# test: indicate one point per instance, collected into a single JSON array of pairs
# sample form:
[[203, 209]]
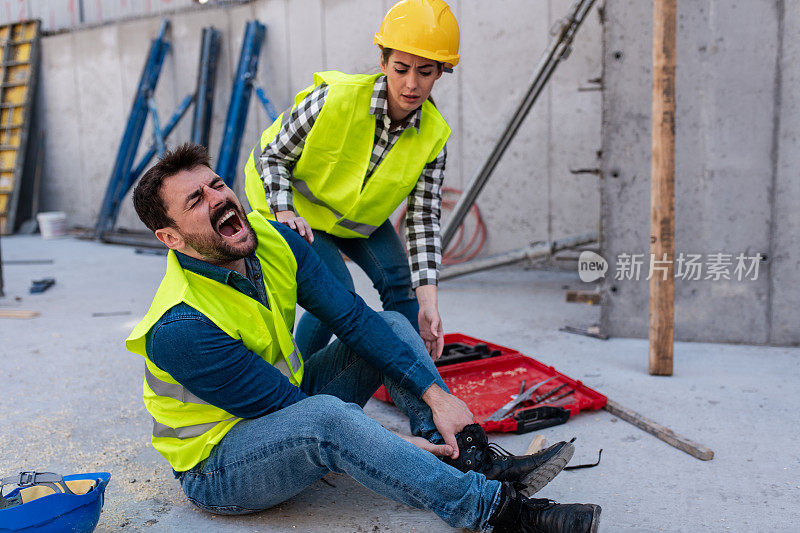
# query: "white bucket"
[[53, 224]]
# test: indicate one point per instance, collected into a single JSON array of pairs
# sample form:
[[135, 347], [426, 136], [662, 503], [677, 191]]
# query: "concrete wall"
[[57, 15], [88, 78], [737, 154]]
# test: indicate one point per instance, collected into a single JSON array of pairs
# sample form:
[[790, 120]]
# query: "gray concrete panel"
[[349, 30], [102, 109], [514, 202], [306, 33], [625, 189], [725, 153], [59, 98], [785, 260], [574, 124]]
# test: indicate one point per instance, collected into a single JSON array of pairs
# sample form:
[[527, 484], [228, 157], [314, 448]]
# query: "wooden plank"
[[667, 435], [662, 190], [18, 313], [536, 445], [583, 297]]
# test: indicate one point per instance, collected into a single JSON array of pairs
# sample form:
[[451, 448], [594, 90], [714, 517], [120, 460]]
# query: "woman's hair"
[[386, 53]]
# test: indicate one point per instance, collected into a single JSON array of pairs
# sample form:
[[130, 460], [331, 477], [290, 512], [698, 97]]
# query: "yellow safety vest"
[[328, 180], [185, 428]]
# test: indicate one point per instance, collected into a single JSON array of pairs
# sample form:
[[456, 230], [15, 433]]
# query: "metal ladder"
[[18, 73]]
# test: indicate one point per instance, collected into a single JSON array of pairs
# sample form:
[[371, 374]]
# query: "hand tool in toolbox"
[[516, 401]]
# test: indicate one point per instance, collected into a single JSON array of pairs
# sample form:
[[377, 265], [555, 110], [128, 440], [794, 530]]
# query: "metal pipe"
[[206, 80], [133, 130], [151, 152], [533, 251], [558, 50], [240, 99]]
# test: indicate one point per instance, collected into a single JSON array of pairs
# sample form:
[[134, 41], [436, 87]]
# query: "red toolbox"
[[487, 384]]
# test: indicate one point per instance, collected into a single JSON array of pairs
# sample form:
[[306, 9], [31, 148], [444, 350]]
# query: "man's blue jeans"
[[382, 257], [264, 461]]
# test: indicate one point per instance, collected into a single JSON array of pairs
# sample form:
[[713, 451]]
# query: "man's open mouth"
[[229, 224]]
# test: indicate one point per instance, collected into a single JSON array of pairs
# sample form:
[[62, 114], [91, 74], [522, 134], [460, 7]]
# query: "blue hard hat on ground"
[[44, 502]]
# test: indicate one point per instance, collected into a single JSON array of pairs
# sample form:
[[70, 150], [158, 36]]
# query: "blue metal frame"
[[133, 132], [206, 79], [240, 101]]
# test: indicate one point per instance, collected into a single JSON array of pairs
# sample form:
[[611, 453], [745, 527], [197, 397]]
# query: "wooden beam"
[[18, 313], [662, 190], [667, 435], [583, 297]]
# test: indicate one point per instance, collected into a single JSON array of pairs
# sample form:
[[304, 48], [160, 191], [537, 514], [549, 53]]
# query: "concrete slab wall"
[[88, 79], [736, 161], [59, 15]]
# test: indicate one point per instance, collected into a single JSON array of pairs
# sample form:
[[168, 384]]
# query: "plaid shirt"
[[424, 203]]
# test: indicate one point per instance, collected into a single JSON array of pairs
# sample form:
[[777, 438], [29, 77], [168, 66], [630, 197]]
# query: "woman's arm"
[[279, 157], [423, 237]]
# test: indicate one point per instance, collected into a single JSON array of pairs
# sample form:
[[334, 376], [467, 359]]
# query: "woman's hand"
[[297, 223], [439, 450], [430, 323]]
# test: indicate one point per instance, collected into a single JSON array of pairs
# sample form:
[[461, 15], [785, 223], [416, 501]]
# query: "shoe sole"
[[537, 479], [595, 518]]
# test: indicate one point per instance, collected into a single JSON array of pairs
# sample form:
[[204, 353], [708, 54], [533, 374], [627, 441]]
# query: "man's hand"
[[440, 450], [297, 223], [450, 414], [430, 323]]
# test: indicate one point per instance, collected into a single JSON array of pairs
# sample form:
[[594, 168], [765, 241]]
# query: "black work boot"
[[534, 471], [517, 514]]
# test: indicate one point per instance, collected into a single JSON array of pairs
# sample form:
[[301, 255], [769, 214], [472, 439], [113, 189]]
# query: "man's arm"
[[353, 322], [217, 368]]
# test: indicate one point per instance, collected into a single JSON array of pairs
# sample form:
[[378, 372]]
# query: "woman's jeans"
[[264, 461], [382, 257]]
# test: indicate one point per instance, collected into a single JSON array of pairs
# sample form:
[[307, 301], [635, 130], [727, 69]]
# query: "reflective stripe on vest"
[[363, 229]]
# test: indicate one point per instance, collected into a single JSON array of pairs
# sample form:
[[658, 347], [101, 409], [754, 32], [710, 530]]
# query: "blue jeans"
[[382, 257], [264, 461]]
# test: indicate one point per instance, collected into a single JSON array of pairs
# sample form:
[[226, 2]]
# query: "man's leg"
[[264, 461], [338, 371]]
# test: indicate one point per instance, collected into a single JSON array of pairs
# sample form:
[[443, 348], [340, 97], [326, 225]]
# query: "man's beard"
[[214, 248]]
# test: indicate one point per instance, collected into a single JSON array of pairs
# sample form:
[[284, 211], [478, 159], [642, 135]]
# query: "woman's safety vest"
[[185, 428], [329, 184]]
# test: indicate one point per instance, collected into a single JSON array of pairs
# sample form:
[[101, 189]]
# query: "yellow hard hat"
[[426, 28]]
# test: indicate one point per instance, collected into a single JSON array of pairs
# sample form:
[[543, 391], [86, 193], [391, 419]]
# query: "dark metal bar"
[[534, 251], [158, 135], [558, 50], [240, 100], [206, 80]]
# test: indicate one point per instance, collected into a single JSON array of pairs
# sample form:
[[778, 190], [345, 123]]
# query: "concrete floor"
[[71, 402]]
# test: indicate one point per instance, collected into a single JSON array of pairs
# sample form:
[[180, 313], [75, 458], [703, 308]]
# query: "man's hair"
[[147, 198]]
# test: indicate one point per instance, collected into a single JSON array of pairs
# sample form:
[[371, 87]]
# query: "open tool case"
[[486, 376]]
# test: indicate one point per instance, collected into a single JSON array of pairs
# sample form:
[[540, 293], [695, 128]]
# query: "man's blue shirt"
[[222, 371]]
